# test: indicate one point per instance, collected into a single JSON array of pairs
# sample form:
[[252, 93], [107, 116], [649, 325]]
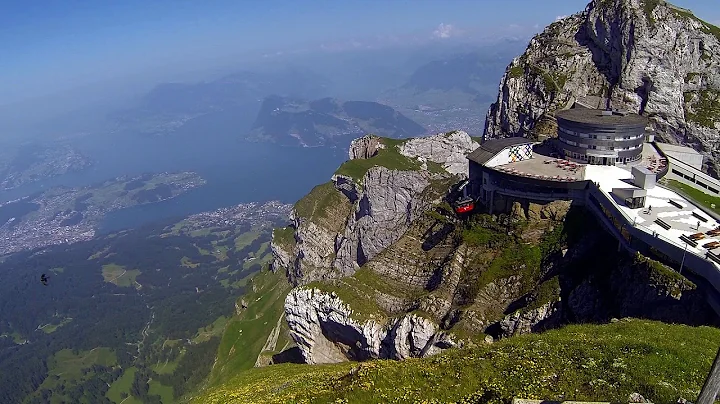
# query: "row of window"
[[599, 137], [693, 179], [595, 147], [594, 159]]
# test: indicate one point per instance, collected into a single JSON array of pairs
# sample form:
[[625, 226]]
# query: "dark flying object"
[[44, 279]]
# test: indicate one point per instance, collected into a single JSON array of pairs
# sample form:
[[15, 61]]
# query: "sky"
[[54, 45]]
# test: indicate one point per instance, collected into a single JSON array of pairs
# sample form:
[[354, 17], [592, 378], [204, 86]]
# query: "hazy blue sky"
[[51, 45]]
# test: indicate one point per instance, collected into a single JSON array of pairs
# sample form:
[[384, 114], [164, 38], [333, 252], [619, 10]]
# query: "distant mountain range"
[[292, 121], [407, 94], [169, 106], [453, 92]]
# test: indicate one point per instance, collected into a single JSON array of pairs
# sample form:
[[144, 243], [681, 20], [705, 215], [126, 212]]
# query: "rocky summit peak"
[[645, 56]]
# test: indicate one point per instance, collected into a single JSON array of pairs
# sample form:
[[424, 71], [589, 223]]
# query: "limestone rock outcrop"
[[282, 256], [326, 331], [448, 149], [383, 268], [644, 56], [525, 322], [359, 219], [390, 201], [365, 147]]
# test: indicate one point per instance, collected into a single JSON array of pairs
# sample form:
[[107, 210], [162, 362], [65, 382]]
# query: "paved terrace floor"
[[680, 219], [651, 160], [537, 167], [545, 168]]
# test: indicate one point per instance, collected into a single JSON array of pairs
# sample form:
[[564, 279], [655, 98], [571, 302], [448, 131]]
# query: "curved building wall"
[[601, 143]]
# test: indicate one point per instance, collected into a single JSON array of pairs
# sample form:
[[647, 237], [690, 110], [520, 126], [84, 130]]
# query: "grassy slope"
[[122, 385], [389, 157], [584, 362], [118, 275], [51, 328], [317, 203], [325, 206], [285, 238], [246, 239], [211, 330], [69, 366], [699, 196], [246, 334], [167, 367], [165, 392]]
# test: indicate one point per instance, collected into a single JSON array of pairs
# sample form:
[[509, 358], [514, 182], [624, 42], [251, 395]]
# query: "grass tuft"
[[580, 362], [706, 110], [516, 72], [284, 237], [388, 157], [648, 8], [324, 205]]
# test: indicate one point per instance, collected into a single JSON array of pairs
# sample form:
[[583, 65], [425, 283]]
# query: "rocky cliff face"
[[390, 201], [384, 269], [343, 224], [370, 204], [519, 323], [646, 56], [449, 149], [365, 147], [326, 331]]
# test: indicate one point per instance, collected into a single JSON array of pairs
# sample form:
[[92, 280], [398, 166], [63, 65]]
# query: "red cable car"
[[465, 208], [464, 203]]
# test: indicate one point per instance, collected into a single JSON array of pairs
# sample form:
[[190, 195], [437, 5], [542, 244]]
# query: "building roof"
[[492, 147], [681, 219], [596, 117], [641, 171], [672, 148], [591, 101]]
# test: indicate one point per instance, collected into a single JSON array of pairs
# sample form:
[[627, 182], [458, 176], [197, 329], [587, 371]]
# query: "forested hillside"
[[133, 317]]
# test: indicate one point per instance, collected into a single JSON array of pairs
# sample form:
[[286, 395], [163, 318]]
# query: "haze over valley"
[[359, 201]]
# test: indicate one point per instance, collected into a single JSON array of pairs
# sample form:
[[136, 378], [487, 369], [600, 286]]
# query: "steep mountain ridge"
[[381, 267], [435, 281], [384, 269], [646, 56], [340, 226], [369, 203], [446, 93], [295, 121]]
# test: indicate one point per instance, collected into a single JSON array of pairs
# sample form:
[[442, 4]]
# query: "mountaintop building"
[[600, 137], [601, 162]]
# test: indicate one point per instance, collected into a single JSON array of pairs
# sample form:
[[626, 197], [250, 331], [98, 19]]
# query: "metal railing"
[[694, 201], [638, 226]]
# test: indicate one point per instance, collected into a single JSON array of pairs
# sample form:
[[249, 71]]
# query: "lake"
[[236, 171]]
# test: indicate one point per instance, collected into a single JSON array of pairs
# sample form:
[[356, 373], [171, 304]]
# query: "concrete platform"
[[679, 213], [544, 168]]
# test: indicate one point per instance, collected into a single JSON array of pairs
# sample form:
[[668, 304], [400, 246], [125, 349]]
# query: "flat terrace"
[[666, 214], [651, 159], [545, 168]]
